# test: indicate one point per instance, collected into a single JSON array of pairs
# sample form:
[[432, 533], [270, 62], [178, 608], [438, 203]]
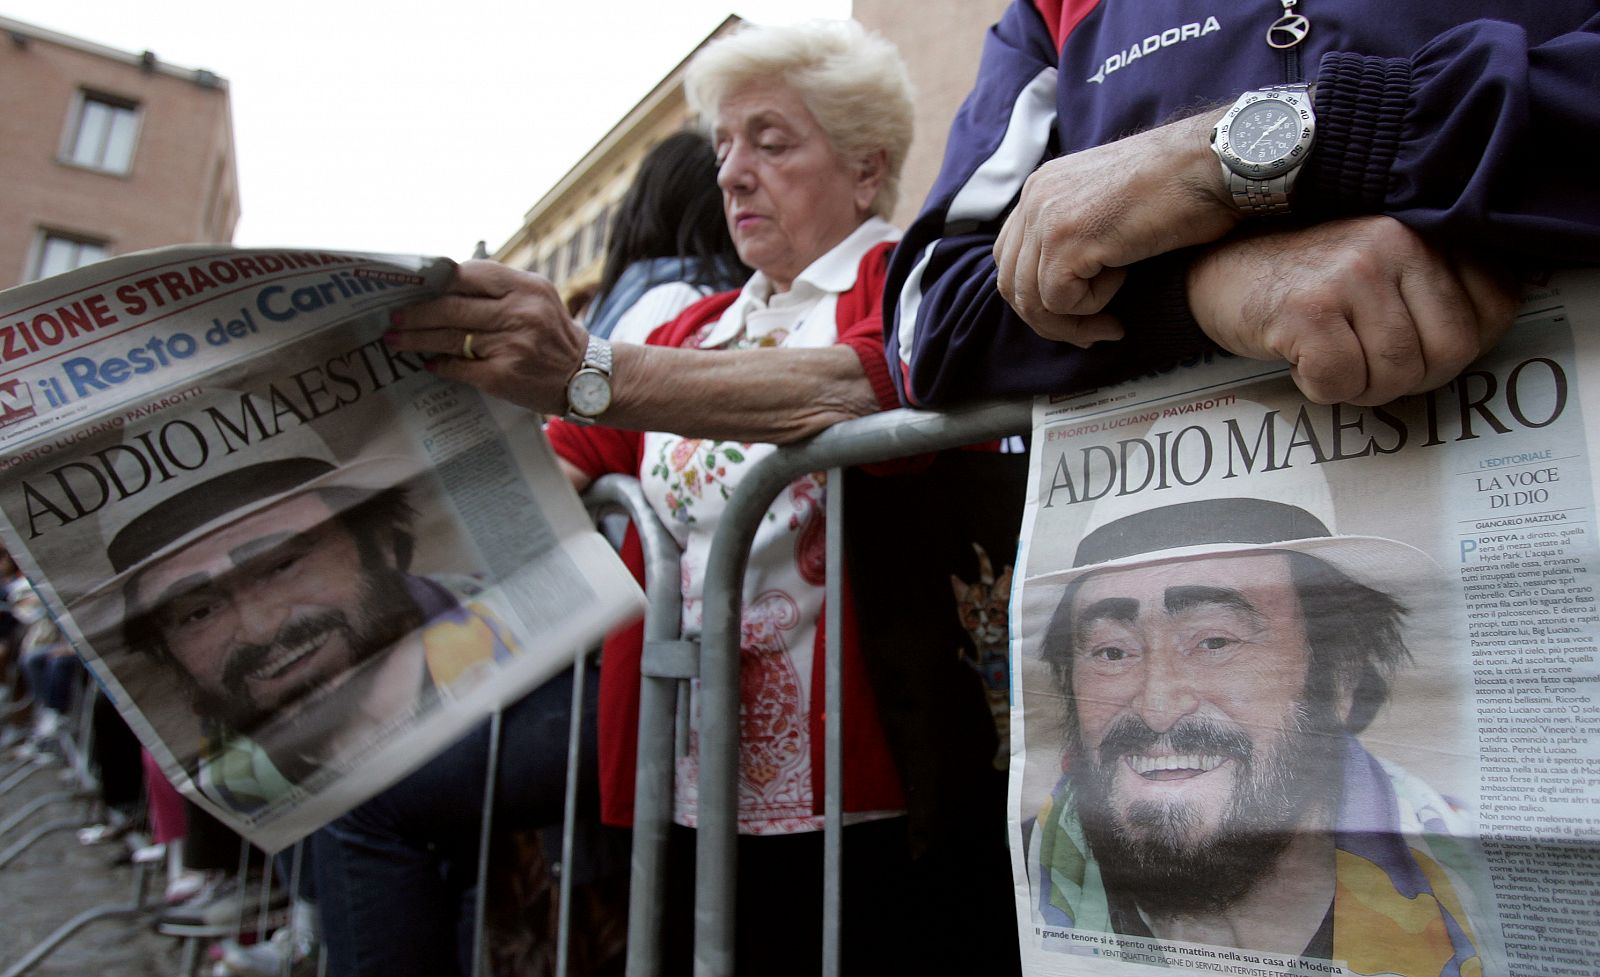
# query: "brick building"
[[104, 152]]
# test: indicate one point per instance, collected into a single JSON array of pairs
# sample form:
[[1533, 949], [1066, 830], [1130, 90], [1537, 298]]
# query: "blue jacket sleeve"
[[949, 336], [1476, 139]]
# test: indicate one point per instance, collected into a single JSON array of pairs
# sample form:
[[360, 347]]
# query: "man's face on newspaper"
[[272, 607], [1193, 748]]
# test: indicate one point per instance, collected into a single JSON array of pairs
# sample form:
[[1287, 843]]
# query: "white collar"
[[833, 273]]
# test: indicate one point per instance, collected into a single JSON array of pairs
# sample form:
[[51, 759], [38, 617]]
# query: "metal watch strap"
[[1260, 198], [596, 357]]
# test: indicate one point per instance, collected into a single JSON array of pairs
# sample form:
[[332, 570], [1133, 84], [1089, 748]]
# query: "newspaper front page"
[[1308, 689], [298, 562]]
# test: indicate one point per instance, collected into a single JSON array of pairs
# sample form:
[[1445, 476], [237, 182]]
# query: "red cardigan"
[[870, 780]]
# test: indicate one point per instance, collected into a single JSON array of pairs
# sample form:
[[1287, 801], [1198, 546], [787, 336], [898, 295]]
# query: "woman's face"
[[788, 197]]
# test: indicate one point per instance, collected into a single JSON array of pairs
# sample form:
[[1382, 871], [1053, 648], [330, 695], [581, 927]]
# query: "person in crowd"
[[10, 626], [208, 889], [1217, 659], [810, 124], [1356, 218], [669, 246], [52, 671], [169, 826], [394, 872], [15, 699], [114, 753], [277, 592]]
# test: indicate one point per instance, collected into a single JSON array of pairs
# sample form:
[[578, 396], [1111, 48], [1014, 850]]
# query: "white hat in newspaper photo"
[[169, 514], [1288, 510]]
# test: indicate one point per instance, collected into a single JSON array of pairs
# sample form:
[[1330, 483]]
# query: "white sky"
[[406, 126]]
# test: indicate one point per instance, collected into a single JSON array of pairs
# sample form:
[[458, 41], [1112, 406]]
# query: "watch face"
[[589, 393], [1265, 131]]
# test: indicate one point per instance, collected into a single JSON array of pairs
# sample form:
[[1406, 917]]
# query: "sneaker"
[[190, 909], [47, 724], [37, 752], [149, 855], [184, 886], [288, 952], [116, 825], [224, 905]]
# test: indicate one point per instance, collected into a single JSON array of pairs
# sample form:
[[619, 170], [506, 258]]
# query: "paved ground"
[[55, 879]]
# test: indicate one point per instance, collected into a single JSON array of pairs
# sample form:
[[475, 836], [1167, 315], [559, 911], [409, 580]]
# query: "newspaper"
[[1309, 689], [298, 562]]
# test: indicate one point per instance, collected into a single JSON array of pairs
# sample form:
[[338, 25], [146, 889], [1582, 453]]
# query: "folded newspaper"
[[1312, 689], [298, 562]]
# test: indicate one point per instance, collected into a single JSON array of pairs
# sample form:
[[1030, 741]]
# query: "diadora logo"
[[16, 402], [1154, 43]]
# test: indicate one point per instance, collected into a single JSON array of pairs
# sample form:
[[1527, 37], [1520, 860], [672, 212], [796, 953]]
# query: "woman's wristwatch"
[[1262, 142], [589, 390]]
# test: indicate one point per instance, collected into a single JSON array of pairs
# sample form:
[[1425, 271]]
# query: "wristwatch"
[[1262, 142], [589, 390]]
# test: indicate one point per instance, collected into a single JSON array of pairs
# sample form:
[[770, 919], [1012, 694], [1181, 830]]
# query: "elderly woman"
[[810, 124]]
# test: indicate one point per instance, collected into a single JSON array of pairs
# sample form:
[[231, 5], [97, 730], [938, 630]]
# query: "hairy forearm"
[[768, 395]]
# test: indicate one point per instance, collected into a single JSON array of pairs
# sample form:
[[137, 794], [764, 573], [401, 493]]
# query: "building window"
[[575, 253], [62, 252], [597, 232], [103, 134]]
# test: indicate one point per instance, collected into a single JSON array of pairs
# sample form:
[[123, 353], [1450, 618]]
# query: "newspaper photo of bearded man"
[[1215, 660], [278, 593]]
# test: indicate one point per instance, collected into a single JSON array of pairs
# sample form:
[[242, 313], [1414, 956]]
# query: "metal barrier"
[[136, 907], [74, 749], [194, 936], [667, 662], [880, 437], [76, 753], [663, 668], [658, 698]]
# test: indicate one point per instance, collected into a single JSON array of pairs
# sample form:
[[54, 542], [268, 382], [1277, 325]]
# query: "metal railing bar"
[[20, 773], [658, 707], [480, 909], [833, 726], [37, 832], [296, 867], [28, 810], [569, 815], [133, 909], [880, 437], [671, 659]]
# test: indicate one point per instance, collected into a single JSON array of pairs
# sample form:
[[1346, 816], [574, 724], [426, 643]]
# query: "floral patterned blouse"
[[688, 482]]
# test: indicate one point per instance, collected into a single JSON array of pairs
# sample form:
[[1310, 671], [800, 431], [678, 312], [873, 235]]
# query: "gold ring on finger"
[[466, 348]]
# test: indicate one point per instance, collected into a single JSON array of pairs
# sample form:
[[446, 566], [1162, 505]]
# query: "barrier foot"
[[17, 776], [64, 932], [26, 841], [28, 810]]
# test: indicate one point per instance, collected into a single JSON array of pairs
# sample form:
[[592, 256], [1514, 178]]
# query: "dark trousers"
[[53, 679], [116, 754], [779, 904], [210, 845]]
